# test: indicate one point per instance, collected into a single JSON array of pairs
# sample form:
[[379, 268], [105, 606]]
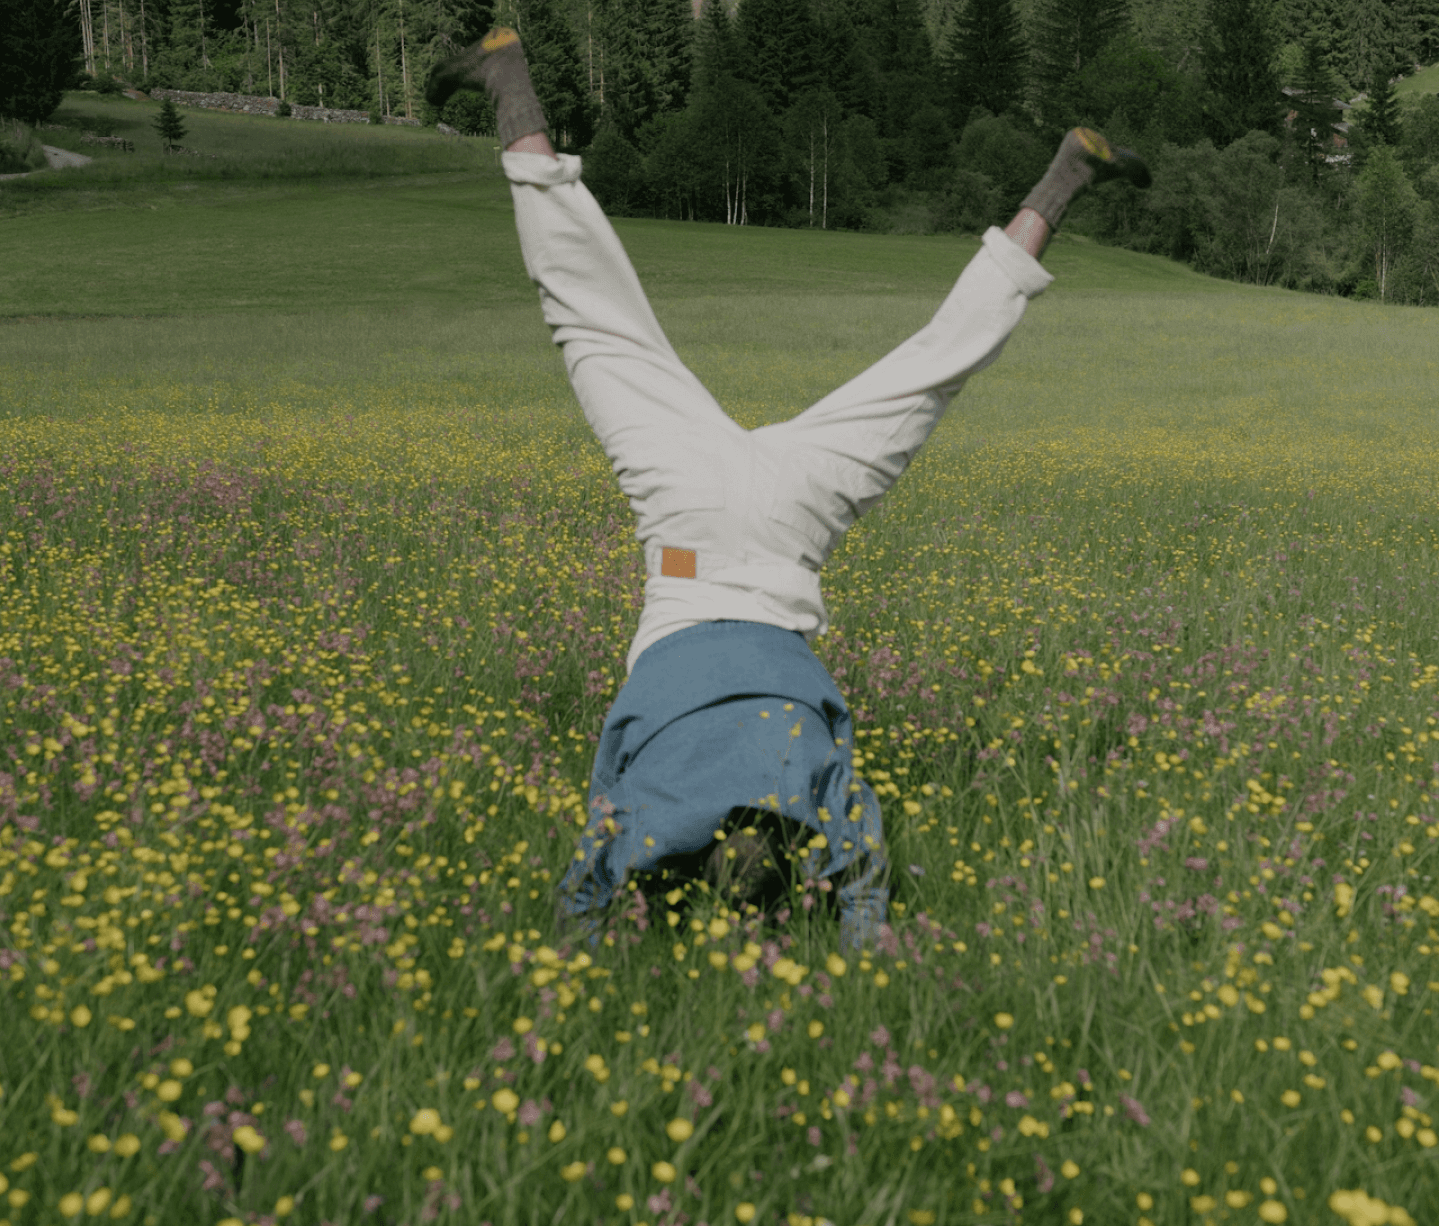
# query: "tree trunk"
[[87, 35], [280, 39], [105, 31], [144, 43], [824, 213], [405, 65]]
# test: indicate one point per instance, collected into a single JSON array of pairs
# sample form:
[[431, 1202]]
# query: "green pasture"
[[316, 590]]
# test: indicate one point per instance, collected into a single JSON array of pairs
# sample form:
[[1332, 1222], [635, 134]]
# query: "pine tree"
[[985, 59], [1313, 105], [169, 124], [1381, 121], [1243, 87], [646, 48], [781, 42], [1068, 34], [39, 58], [556, 71]]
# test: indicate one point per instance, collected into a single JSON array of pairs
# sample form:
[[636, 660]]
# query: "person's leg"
[[654, 419], [840, 456]]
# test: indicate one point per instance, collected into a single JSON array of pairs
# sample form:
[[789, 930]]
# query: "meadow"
[[317, 589]]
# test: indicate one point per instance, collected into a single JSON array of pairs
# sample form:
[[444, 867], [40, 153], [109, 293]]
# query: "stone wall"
[[252, 104]]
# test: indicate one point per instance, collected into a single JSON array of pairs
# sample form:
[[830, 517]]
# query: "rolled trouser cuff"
[[540, 169]]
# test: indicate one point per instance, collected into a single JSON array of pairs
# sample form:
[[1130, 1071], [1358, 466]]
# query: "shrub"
[[470, 112], [376, 118], [283, 110]]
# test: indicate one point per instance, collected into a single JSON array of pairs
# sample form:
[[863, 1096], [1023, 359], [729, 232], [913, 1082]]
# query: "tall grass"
[[308, 627]]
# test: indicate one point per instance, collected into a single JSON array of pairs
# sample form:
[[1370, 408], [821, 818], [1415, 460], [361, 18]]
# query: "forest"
[[1282, 152]]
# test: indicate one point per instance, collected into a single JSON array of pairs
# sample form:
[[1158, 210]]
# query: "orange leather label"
[[678, 563]]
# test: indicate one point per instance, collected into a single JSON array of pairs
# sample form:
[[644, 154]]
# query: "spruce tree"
[[39, 58], [1244, 94], [169, 124], [555, 69], [1380, 122], [985, 59], [1313, 105], [1068, 34], [647, 48], [781, 41]]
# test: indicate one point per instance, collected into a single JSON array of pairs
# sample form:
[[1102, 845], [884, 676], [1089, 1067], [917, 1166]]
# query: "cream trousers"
[[737, 523]]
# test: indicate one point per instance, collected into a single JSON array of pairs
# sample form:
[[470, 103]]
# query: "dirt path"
[[59, 159]]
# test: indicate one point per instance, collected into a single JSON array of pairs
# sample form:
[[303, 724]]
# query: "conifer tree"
[[1244, 94], [1313, 105], [647, 50], [781, 41], [169, 124], [39, 57], [556, 71], [1068, 34], [1381, 121], [985, 59]]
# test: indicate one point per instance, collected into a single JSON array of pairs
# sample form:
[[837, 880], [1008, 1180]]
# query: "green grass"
[[1425, 81], [276, 500]]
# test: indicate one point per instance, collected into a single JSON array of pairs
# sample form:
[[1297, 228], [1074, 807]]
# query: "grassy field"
[[1425, 81], [317, 590]]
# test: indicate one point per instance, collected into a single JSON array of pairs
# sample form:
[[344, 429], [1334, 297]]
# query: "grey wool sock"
[[1084, 157], [497, 65]]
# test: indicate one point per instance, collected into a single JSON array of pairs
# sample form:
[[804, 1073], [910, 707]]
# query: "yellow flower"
[[1069, 1169], [921, 1217], [835, 965], [127, 1145], [285, 1206], [624, 1201], [1203, 1204], [679, 1130], [557, 1132], [248, 1139], [71, 1204], [616, 1156], [573, 1172], [432, 1174], [1237, 1199], [1290, 1098], [198, 1004], [1272, 1211], [816, 1028], [1374, 996], [98, 1144], [619, 1108], [1004, 1020], [1076, 1216], [1399, 982], [523, 1025], [80, 1016], [320, 1070], [663, 1171], [339, 1141], [1096, 883], [425, 1121], [1189, 1177], [744, 1212], [168, 1090], [505, 1101], [181, 1067]]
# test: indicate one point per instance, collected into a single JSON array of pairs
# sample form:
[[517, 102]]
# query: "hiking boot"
[[1084, 157], [496, 65]]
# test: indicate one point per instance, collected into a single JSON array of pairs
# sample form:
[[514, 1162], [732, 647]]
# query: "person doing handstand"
[[729, 734]]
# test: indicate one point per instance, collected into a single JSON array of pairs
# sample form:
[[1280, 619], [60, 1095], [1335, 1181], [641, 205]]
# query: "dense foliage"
[[915, 115]]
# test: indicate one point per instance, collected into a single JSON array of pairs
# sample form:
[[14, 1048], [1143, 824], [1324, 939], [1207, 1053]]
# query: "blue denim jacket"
[[722, 716]]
